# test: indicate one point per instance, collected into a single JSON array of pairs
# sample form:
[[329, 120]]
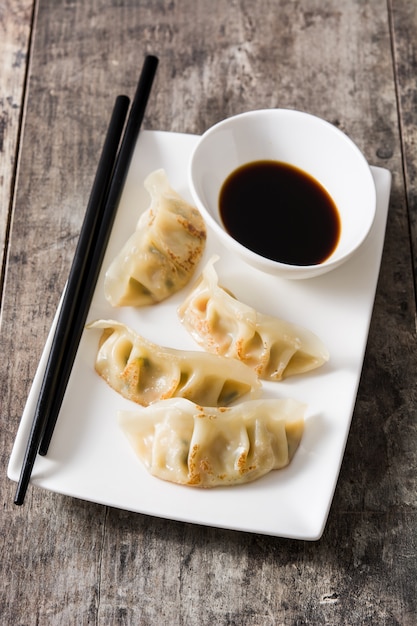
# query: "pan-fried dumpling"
[[223, 325], [184, 443], [145, 372], [161, 255]]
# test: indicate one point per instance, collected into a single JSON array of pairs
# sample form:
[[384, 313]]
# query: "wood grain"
[[404, 29], [15, 31], [70, 562]]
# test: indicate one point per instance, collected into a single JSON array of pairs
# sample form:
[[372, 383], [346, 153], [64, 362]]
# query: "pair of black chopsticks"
[[95, 232]]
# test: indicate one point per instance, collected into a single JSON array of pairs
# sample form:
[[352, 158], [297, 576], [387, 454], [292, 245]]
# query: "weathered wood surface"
[[71, 562], [15, 30], [404, 35]]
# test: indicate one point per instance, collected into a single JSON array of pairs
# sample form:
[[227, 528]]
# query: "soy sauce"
[[280, 212]]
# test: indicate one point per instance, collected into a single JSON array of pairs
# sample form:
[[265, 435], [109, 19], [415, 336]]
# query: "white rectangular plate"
[[89, 456]]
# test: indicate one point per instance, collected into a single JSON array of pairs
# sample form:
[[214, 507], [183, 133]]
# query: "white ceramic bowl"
[[302, 140]]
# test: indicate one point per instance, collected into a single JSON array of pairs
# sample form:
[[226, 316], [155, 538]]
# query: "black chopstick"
[[67, 312], [86, 266], [99, 248]]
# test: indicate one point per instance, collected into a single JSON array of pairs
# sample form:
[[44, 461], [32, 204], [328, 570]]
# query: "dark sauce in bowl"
[[280, 212]]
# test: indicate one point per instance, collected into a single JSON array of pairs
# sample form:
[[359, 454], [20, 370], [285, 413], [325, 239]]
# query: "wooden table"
[[353, 63]]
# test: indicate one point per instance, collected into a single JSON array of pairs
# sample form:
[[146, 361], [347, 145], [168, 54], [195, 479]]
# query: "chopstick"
[[105, 195], [129, 140], [56, 358]]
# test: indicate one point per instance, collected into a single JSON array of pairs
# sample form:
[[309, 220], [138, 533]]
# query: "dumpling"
[[145, 372], [184, 443], [161, 255], [223, 325]]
